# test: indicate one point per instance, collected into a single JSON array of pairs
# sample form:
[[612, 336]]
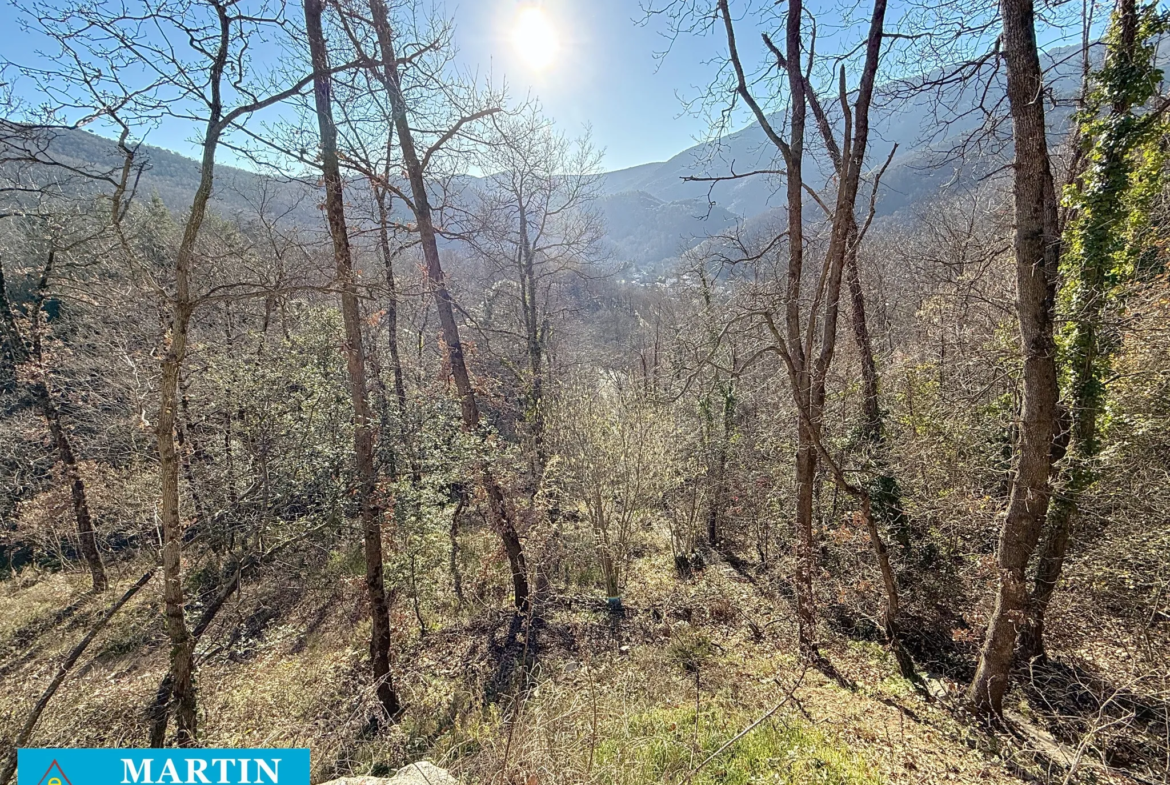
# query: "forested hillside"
[[835, 448]]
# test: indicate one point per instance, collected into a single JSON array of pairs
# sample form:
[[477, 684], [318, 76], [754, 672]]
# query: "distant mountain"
[[653, 212], [925, 160], [174, 178], [644, 231]]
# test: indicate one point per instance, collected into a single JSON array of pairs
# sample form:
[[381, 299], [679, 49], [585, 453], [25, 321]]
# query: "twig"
[[751, 727]]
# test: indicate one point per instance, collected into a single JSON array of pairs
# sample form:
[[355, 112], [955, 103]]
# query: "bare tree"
[[363, 427], [538, 227], [193, 69], [367, 140], [39, 183], [803, 329], [27, 354], [419, 204]]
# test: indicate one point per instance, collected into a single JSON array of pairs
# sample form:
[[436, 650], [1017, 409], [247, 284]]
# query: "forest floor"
[[697, 682]]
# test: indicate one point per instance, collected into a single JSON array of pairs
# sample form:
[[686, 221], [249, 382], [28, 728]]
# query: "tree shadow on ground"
[[1118, 725], [20, 649]]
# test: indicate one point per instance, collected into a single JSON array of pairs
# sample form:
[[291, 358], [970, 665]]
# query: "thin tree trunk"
[[182, 646], [42, 394], [501, 519], [717, 504], [893, 602], [886, 496], [422, 624], [363, 437], [889, 507], [77, 494], [1037, 250], [70, 660], [853, 153], [870, 410], [395, 455], [531, 308], [158, 712], [806, 468], [456, 575], [1049, 565], [391, 310]]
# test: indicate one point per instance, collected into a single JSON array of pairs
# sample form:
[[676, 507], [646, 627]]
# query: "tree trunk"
[[885, 494], [182, 645], [42, 394], [893, 602], [501, 519], [870, 410], [806, 457], [717, 505], [1048, 568], [806, 469], [1087, 385], [531, 309], [1037, 249], [81, 514], [852, 159], [456, 574], [363, 434], [158, 713], [392, 313], [888, 505]]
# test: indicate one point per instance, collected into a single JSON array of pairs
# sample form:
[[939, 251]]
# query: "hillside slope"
[[660, 695]]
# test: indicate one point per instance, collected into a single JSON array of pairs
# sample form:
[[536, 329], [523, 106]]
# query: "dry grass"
[[644, 699]]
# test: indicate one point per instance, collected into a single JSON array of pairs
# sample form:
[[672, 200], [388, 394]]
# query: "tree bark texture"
[[1037, 250]]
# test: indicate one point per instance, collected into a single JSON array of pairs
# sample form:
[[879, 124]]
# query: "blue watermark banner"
[[162, 767]]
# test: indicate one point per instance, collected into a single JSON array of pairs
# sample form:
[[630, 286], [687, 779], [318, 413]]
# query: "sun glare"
[[535, 39]]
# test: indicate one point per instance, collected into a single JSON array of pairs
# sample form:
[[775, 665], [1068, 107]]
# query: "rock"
[[421, 773]]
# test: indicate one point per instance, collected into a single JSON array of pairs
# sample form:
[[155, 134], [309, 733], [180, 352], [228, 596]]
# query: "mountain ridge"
[[656, 211]]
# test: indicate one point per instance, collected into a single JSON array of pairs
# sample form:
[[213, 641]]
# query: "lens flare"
[[535, 39]]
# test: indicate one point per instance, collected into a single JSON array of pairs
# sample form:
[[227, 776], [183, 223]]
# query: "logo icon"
[[54, 779]]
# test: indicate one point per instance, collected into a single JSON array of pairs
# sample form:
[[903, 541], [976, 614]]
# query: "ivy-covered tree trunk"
[[1101, 255]]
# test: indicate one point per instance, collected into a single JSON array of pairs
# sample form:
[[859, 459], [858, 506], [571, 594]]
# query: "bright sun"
[[535, 39]]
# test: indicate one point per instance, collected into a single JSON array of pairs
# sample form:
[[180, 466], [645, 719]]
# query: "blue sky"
[[605, 74]]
